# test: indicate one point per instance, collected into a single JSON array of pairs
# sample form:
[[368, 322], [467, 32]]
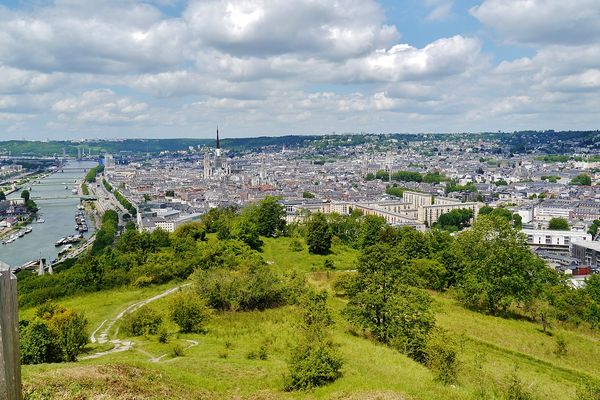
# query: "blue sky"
[[168, 68]]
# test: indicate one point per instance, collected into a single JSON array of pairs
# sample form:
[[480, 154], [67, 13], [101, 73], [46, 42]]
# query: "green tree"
[[370, 230], [380, 303], [582, 180], [25, 195], [2, 196], [246, 231], [593, 229], [429, 274], [517, 221], [455, 220], [170, 193], [559, 224], [37, 343], [307, 195], [269, 216], [496, 268], [318, 236]]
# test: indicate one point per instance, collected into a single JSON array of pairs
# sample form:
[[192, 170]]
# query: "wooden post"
[[10, 357]]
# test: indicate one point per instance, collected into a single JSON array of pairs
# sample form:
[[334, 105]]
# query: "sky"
[[74, 69]]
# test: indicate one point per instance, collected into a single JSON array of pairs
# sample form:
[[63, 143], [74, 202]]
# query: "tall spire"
[[218, 143]]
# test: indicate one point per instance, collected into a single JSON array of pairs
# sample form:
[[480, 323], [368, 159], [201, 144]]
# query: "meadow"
[[243, 354]]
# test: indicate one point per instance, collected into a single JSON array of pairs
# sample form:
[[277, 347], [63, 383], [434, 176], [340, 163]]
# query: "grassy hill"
[[225, 362]]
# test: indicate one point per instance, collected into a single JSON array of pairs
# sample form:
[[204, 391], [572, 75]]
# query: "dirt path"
[[103, 330]]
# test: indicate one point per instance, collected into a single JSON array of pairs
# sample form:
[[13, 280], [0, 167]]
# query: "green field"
[[491, 348]]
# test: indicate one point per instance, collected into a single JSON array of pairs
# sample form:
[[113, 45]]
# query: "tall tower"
[[207, 167], [218, 161]]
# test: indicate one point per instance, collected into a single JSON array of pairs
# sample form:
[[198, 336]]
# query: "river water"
[[57, 207]]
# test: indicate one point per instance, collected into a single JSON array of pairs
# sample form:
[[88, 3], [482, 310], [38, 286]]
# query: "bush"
[[251, 288], [296, 245], [312, 364], [188, 311], [561, 346], [163, 335], [56, 334], [38, 344], [442, 357], [515, 389], [144, 320], [177, 351], [314, 361]]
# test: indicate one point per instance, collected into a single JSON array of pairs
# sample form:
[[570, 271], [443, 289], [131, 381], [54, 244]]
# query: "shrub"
[[296, 245], [163, 335], [188, 311], [144, 320], [37, 344], [441, 353], [515, 389], [252, 288], [328, 264], [313, 364], [177, 351], [343, 283], [561, 346], [314, 361], [57, 334]]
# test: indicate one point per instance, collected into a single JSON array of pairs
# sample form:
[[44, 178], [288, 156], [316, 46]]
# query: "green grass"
[[277, 251], [219, 367], [101, 306]]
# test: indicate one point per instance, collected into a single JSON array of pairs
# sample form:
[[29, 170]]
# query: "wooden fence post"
[[10, 357]]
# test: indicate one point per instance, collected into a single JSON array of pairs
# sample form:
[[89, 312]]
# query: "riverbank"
[[57, 207]]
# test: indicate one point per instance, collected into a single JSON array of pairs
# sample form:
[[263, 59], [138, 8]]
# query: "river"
[[57, 206]]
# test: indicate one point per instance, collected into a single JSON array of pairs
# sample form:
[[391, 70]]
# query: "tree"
[[593, 229], [429, 274], [559, 224], [517, 221], [170, 193], [380, 303], [370, 229], [455, 220], [269, 216], [188, 311], [582, 180], [246, 231], [495, 267], [2, 196], [25, 195], [318, 236], [307, 195]]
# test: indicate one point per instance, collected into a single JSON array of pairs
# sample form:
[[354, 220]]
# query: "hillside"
[[224, 362]]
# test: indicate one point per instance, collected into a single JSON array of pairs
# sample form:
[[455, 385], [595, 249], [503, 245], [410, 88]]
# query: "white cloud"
[[278, 66], [441, 9], [542, 21]]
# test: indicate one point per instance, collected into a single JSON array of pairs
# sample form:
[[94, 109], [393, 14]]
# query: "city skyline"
[[177, 69]]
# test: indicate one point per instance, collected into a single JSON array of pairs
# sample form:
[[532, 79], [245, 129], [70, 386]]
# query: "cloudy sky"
[[169, 68]]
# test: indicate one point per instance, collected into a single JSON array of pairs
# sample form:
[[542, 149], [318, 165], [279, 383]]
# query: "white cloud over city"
[[121, 68]]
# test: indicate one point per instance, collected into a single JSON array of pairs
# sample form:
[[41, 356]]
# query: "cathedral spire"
[[218, 143]]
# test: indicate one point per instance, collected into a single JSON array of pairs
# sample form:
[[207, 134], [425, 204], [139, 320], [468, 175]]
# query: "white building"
[[552, 240]]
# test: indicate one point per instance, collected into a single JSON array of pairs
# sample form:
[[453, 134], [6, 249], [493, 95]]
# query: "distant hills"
[[552, 142]]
